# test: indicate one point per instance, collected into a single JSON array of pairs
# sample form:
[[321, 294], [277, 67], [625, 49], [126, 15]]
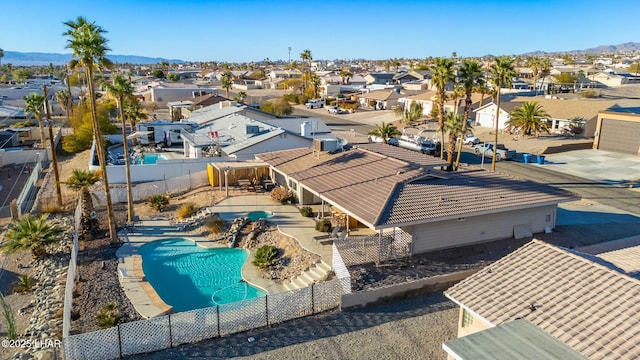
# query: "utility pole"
[[54, 157], [289, 54]]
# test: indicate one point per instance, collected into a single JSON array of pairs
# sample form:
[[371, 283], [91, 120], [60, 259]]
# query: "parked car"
[[391, 141], [315, 103], [502, 153], [335, 110], [469, 139]]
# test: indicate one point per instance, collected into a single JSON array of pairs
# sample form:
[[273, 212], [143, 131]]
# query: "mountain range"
[[43, 59]]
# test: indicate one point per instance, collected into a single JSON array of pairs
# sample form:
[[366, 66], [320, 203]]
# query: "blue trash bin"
[[527, 158], [540, 159]]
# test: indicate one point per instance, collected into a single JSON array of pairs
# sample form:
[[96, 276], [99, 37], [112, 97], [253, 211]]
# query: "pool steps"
[[315, 273]]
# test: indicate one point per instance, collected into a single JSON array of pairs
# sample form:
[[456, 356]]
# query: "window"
[[548, 218], [467, 318]]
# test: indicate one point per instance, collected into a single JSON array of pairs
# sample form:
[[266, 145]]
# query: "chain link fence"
[[71, 274], [391, 244], [192, 326]]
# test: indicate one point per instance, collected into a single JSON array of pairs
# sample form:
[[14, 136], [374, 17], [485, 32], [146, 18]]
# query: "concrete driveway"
[[597, 165]]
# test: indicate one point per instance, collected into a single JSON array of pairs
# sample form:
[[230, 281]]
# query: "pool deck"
[[141, 293]]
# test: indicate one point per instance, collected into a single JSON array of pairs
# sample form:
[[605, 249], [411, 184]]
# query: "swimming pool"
[[149, 159], [259, 214], [189, 277]]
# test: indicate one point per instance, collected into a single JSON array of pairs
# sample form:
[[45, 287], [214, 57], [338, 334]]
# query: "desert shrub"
[[350, 106], [215, 225], [109, 315], [265, 255], [301, 99], [51, 208], [588, 94], [158, 202], [282, 194], [24, 283], [59, 313], [186, 210], [324, 225], [306, 211], [290, 97]]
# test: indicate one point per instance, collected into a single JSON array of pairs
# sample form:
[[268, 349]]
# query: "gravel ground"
[[410, 329]]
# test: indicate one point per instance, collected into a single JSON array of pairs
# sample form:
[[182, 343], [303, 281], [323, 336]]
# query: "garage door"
[[620, 136]]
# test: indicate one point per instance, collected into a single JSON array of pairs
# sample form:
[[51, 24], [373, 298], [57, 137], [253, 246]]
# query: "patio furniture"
[[332, 235], [244, 183]]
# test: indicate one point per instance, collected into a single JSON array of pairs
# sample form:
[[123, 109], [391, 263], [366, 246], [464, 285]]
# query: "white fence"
[[391, 244], [340, 269], [27, 196], [192, 326], [71, 274]]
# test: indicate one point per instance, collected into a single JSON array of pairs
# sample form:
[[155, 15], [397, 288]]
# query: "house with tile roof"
[[386, 188], [588, 302], [428, 100]]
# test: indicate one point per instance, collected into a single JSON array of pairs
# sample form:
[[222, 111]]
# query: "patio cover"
[[138, 134]]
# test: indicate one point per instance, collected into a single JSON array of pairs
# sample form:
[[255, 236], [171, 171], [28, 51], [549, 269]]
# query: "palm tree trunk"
[[467, 108], [126, 162], [43, 138], [101, 155], [441, 121], [451, 149], [495, 135]]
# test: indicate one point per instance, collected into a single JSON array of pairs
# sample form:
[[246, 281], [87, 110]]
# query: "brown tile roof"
[[384, 186], [465, 194], [627, 259], [563, 109], [579, 299]]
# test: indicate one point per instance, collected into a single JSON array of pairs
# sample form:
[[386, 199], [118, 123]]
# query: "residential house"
[[618, 131], [169, 92], [386, 188], [379, 78], [214, 112], [408, 76], [285, 74], [486, 116], [610, 78], [380, 99], [428, 100], [244, 137], [587, 302]]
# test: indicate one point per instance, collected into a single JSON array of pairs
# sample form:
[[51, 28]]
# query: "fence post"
[[218, 317], [266, 308], [119, 342], [170, 333], [313, 298]]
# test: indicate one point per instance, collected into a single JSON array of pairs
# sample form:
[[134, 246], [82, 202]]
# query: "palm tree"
[[64, 98], [32, 233], [534, 63], [453, 124], [120, 89], [227, 81], [34, 104], [502, 73], [89, 48], [408, 116], [345, 76], [385, 131], [529, 118], [457, 93], [441, 74], [315, 82], [471, 77], [305, 55], [241, 96], [545, 68], [81, 181], [134, 112]]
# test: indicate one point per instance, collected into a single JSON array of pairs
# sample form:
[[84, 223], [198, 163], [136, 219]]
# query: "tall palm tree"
[[120, 89], [32, 233], [545, 68], [385, 131], [457, 94], [34, 104], [502, 73], [441, 74], [305, 55], [471, 77], [89, 48], [314, 80], [534, 63], [227, 82], [81, 181], [134, 112], [63, 97], [453, 125], [345, 76], [529, 118]]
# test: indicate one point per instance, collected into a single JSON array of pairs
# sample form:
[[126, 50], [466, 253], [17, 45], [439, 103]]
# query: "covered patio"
[[249, 175]]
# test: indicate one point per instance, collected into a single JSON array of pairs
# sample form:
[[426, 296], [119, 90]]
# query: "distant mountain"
[[40, 59], [626, 47]]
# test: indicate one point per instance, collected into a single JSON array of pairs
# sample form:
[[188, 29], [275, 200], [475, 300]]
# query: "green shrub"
[[301, 99], [158, 202], [324, 225], [306, 211], [215, 225], [24, 283], [109, 316], [265, 256], [185, 211], [290, 97], [588, 94]]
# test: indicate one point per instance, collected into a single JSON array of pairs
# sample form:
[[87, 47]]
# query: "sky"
[[244, 30]]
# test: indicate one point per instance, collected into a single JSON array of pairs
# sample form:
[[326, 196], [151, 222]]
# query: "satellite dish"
[[92, 214]]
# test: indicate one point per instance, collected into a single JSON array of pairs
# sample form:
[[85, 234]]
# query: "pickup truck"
[[502, 153], [315, 104]]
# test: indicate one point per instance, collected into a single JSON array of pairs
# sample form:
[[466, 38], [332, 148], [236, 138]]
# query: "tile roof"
[[384, 186], [563, 109], [627, 259], [465, 194], [585, 304]]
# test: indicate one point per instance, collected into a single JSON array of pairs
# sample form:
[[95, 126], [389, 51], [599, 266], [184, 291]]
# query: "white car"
[[469, 139], [335, 110]]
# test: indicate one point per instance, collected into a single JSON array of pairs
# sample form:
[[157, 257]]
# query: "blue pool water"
[[257, 215], [189, 277], [149, 159]]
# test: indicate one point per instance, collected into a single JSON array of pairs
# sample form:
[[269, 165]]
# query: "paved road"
[[410, 329]]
